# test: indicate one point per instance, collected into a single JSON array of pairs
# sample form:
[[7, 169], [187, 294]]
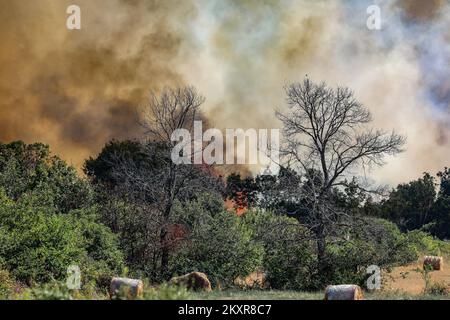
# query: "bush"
[[374, 242], [289, 259], [424, 243], [349, 260], [37, 244], [103, 258], [48, 219], [219, 245]]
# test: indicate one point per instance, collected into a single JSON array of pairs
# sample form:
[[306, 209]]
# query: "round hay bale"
[[255, 280], [196, 281], [344, 292], [436, 263], [125, 288]]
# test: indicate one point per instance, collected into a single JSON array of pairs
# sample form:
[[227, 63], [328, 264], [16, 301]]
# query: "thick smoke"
[[401, 73], [77, 89]]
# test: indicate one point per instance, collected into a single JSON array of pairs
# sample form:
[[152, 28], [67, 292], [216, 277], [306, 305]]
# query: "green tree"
[[48, 219], [31, 167], [410, 205], [325, 139], [101, 168], [441, 207], [131, 179]]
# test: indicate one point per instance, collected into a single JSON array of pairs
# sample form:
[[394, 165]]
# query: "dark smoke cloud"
[[78, 89]]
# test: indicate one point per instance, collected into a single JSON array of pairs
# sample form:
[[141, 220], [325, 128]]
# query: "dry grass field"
[[406, 278], [402, 283]]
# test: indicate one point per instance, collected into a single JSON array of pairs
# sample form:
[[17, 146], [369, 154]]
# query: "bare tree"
[[325, 142], [173, 109], [156, 183]]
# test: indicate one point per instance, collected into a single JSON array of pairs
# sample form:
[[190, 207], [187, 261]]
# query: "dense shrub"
[[373, 242], [38, 244], [289, 260], [138, 229], [219, 244], [424, 243], [391, 246], [48, 219], [290, 256]]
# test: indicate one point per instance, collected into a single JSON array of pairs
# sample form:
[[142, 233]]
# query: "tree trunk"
[[164, 254], [165, 245], [321, 250], [321, 247], [323, 262]]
